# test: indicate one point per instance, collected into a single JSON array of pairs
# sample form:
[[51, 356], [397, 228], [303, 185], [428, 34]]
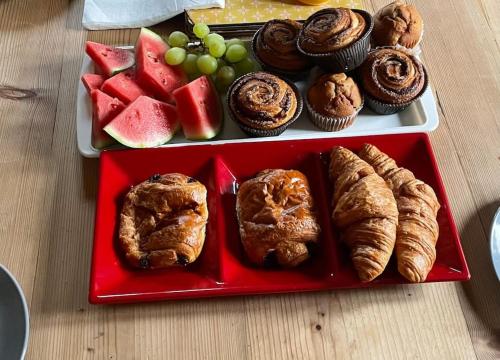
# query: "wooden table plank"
[[47, 208]]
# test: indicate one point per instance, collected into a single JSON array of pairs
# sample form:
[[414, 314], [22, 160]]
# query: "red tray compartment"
[[222, 268]]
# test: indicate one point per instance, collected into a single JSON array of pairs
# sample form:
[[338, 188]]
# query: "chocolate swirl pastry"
[[331, 29], [262, 101], [276, 45], [393, 76], [163, 220], [398, 23], [276, 217]]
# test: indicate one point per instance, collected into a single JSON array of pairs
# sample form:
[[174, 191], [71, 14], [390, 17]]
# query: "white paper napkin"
[[119, 14]]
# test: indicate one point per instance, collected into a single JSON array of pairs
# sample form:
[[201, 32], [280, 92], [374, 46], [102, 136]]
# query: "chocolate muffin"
[[398, 24], [392, 79], [333, 101], [263, 104], [275, 47], [336, 39]]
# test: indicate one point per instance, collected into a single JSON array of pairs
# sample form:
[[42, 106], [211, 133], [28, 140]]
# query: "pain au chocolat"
[[163, 221]]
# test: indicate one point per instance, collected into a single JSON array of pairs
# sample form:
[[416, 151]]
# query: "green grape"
[[244, 66], [175, 56], [201, 30], [225, 76], [178, 39], [220, 63], [236, 53], [211, 38], [189, 64], [207, 64], [217, 48], [234, 41]]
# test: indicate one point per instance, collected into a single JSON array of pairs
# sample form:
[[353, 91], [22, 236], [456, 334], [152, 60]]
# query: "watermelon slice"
[[199, 109], [104, 109], [153, 73], [144, 123], [110, 60], [92, 81], [123, 86]]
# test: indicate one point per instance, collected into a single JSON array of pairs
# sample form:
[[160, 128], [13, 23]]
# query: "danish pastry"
[[276, 217]]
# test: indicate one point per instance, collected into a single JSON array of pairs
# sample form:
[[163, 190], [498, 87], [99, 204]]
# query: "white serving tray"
[[421, 116]]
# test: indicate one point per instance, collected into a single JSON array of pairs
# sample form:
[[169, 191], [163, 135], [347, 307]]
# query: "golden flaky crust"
[[163, 221], [277, 45], [276, 217], [365, 212], [392, 76], [334, 95], [331, 29], [398, 24], [262, 101], [418, 206]]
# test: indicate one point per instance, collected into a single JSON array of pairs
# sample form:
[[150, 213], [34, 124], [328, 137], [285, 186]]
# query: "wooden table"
[[47, 199]]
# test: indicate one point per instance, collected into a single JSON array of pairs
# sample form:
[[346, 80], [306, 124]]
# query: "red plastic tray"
[[222, 268]]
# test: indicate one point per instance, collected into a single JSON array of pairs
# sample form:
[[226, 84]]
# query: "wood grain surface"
[[47, 200]]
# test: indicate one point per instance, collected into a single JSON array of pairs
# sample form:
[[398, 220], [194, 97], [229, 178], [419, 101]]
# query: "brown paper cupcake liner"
[[255, 132], [382, 108], [291, 75], [330, 123], [348, 58]]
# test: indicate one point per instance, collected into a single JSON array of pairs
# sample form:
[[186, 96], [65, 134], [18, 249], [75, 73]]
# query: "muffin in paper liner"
[[347, 58], [329, 123], [255, 132], [291, 75]]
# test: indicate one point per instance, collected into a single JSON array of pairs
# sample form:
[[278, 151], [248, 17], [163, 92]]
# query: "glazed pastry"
[[331, 29], [398, 24], [261, 102], [418, 206], [333, 101], [276, 217], [365, 212], [392, 76], [276, 45], [163, 221]]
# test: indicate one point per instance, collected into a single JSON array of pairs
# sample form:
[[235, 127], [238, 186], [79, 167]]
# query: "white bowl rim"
[[494, 245], [25, 309]]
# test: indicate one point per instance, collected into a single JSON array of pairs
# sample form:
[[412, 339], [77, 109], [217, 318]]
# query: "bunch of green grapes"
[[210, 55]]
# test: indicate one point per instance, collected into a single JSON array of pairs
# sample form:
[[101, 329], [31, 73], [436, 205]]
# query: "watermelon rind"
[[147, 32], [136, 145], [207, 135]]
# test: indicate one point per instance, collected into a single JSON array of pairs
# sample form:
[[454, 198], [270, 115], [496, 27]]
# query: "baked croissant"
[[163, 221], [365, 212], [418, 206], [276, 218]]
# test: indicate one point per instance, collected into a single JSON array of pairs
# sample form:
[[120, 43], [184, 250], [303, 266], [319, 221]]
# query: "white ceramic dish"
[[495, 243], [14, 318], [421, 116]]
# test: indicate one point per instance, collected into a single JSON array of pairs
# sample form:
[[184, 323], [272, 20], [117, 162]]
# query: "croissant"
[[418, 230], [365, 212]]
